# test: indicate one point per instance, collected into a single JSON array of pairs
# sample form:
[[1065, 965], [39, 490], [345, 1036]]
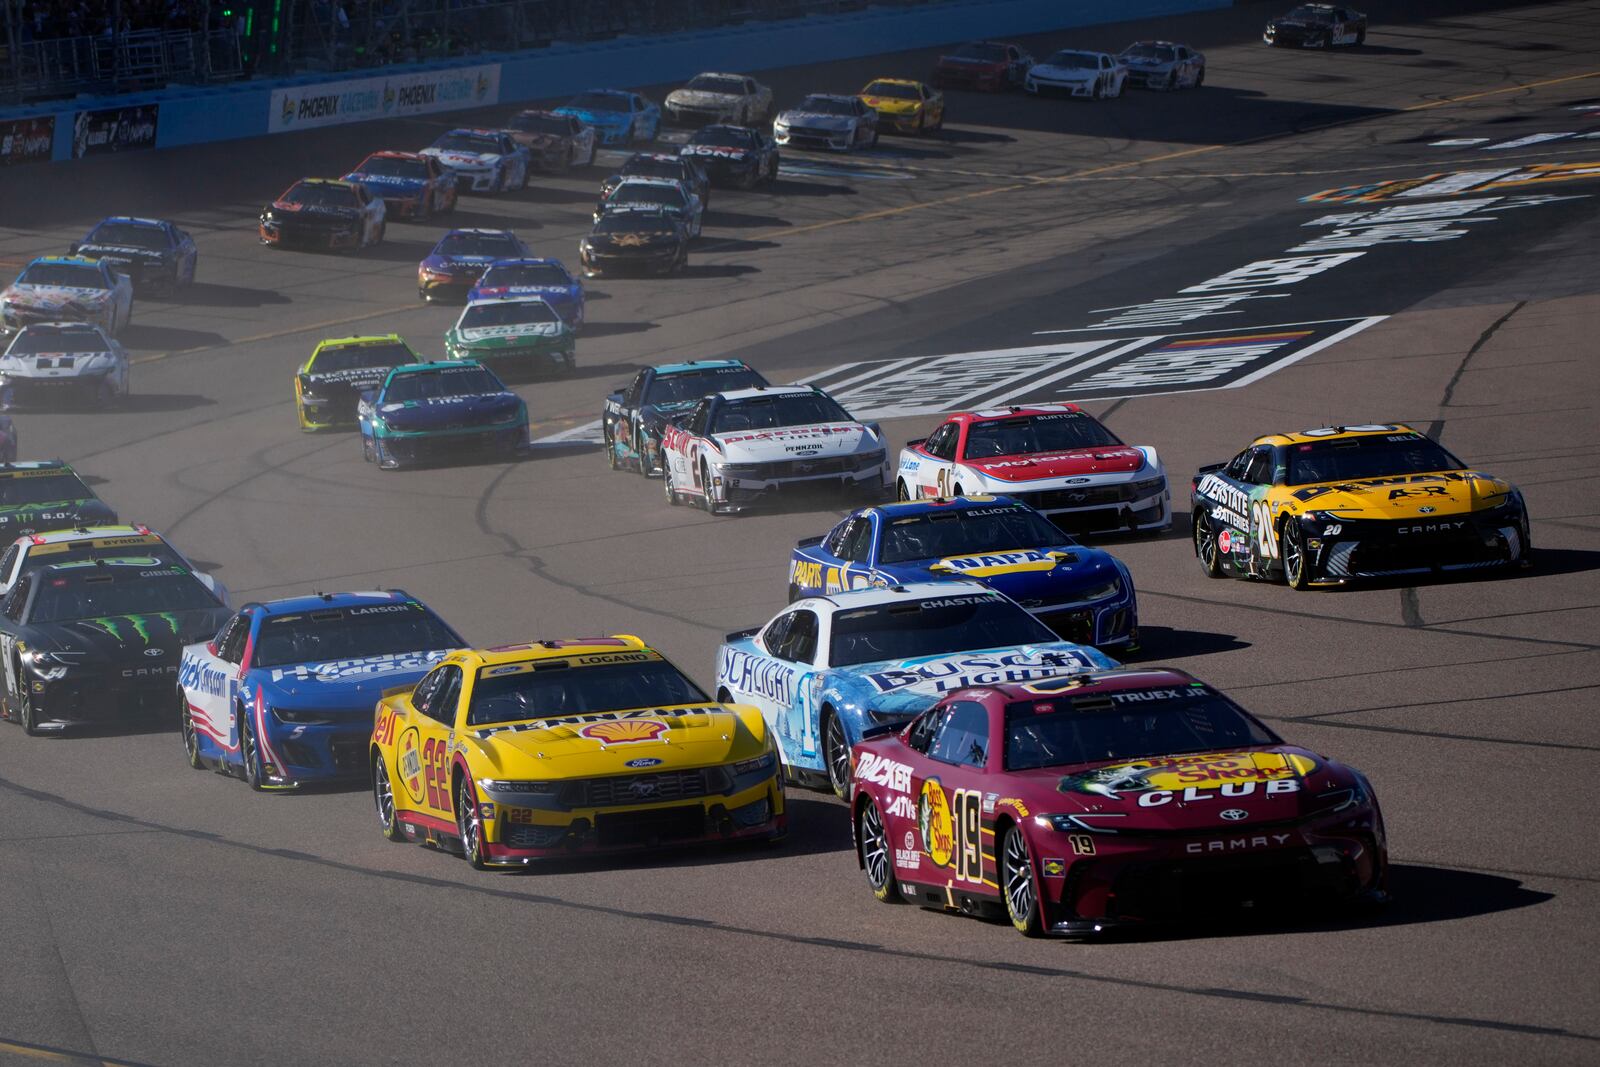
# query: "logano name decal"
[[960, 672]]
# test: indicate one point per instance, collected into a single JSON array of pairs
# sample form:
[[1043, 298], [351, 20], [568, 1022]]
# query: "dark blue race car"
[[154, 253], [460, 258], [519, 279], [1084, 594], [636, 414], [425, 412], [284, 694]]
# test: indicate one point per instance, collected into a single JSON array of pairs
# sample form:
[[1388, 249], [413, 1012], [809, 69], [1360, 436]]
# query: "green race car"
[[328, 387], [514, 337]]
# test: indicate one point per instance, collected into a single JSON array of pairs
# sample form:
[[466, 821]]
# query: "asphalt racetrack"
[[152, 914]]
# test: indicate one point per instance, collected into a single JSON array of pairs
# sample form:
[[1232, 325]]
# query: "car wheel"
[[1017, 884], [250, 754], [835, 753], [26, 715], [1172, 81], [8, 398], [383, 800], [1296, 567], [191, 740], [611, 453], [1206, 549], [875, 856], [705, 496], [922, 123], [368, 454], [666, 484], [1200, 77], [469, 825], [1361, 37], [900, 490], [874, 142]]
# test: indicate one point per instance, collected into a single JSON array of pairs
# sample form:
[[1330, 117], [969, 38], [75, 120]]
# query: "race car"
[[684, 169], [460, 258], [826, 670], [428, 412], [1163, 65], [283, 694], [1084, 594], [1054, 457], [48, 363], [1082, 804], [904, 106], [483, 161], [547, 279], [626, 241], [742, 448], [98, 640], [825, 120], [618, 117], [988, 66], [410, 184], [67, 289], [514, 754], [30, 552], [514, 337], [734, 99], [1321, 507], [1317, 26], [654, 196], [323, 213], [153, 253], [733, 155], [329, 385], [555, 143], [40, 495], [1072, 72], [636, 414]]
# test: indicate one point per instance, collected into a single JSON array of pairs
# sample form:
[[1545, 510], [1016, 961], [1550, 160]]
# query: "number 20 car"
[[513, 754]]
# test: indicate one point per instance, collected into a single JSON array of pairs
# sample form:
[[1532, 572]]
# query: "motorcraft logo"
[[961, 672], [346, 670]]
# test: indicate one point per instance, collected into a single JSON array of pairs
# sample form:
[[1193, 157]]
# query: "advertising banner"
[[27, 140], [359, 99], [114, 129]]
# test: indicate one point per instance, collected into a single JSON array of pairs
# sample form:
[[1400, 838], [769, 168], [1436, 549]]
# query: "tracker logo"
[[880, 770]]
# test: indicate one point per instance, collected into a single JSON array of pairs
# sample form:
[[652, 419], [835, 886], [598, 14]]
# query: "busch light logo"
[[948, 675], [757, 676]]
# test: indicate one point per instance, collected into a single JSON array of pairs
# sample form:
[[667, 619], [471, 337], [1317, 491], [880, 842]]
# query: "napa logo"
[[992, 563]]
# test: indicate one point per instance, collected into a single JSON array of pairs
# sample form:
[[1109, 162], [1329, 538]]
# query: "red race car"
[[1080, 804], [988, 66]]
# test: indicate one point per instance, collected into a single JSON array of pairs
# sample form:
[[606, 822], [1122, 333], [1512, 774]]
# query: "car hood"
[[461, 264], [1118, 459], [19, 519], [1017, 568], [496, 336], [387, 182], [355, 377], [151, 640], [448, 412], [795, 442], [596, 118], [351, 683], [617, 742], [1045, 70], [816, 121], [701, 98], [54, 297], [1420, 496], [463, 160], [513, 292], [93, 251], [891, 105], [905, 687], [632, 240], [1146, 62]]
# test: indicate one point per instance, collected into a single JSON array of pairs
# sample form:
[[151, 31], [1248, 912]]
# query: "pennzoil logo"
[[624, 731]]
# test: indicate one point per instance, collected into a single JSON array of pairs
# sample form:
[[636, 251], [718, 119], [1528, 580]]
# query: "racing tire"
[[383, 800], [1018, 886], [1361, 38], [1116, 93], [367, 455], [875, 855], [8, 399], [835, 753], [527, 176], [938, 126], [1172, 81], [469, 825], [384, 458], [611, 454], [705, 496], [191, 740], [874, 142], [103, 396], [922, 124], [900, 490], [666, 484], [1292, 543], [1200, 78], [26, 715], [250, 754], [1206, 549]]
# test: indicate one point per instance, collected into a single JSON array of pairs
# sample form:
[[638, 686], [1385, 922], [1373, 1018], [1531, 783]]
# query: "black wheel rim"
[[874, 848], [838, 755], [1205, 546], [1018, 877], [383, 793]]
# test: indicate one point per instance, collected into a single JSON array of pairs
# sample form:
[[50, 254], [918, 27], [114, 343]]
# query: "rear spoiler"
[[398, 690], [882, 728], [740, 635]]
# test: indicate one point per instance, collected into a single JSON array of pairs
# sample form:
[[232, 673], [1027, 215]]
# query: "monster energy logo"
[[139, 623]]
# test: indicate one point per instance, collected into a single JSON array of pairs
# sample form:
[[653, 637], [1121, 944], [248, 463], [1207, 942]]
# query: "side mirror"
[[1211, 468], [914, 444], [740, 635]]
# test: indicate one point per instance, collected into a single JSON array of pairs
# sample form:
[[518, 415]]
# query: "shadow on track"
[[137, 335], [1160, 643], [211, 295], [612, 329]]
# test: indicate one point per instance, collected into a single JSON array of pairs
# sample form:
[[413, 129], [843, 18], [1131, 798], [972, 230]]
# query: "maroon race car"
[[1080, 804], [987, 66]]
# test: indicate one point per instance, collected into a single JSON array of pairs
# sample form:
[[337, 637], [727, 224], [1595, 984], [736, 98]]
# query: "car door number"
[[436, 773], [966, 810], [1265, 536]]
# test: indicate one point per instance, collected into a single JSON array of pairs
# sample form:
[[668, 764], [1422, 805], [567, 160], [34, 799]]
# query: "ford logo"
[[155, 652], [1235, 814], [643, 761]]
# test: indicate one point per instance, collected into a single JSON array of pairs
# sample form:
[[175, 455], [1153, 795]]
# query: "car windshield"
[[630, 222], [1309, 13], [551, 688], [541, 122], [1074, 60], [961, 622], [692, 385], [894, 90], [711, 83], [650, 195], [515, 274], [507, 313], [35, 339], [988, 53], [967, 532], [722, 137], [459, 141], [63, 276], [339, 634], [106, 593], [599, 102], [42, 489], [825, 105], [128, 235], [1033, 434], [349, 357], [770, 412], [499, 245], [652, 167], [390, 167], [1136, 724], [321, 194], [434, 384], [1159, 52], [1377, 456]]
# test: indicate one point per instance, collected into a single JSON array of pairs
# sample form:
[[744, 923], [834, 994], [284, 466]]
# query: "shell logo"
[[624, 731]]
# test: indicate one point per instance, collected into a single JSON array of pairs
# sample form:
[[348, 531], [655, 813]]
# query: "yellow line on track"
[[288, 331], [49, 1055], [1501, 92]]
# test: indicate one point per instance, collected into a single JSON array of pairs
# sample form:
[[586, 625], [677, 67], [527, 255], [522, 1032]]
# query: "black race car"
[[636, 414], [649, 241], [100, 640], [661, 165], [1317, 26], [46, 495], [153, 253], [734, 155]]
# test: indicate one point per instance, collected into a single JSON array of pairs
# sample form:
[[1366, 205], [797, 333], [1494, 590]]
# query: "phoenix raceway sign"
[[304, 107]]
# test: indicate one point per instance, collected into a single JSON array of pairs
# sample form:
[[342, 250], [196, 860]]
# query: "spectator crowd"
[[44, 20]]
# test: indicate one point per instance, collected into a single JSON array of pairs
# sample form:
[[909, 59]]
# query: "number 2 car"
[[636, 414]]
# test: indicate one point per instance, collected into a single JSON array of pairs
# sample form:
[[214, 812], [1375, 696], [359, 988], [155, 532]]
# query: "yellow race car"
[[329, 385], [508, 755], [1321, 507], [904, 106]]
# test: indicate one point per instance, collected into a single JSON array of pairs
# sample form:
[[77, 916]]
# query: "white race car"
[[32, 551], [1054, 457], [739, 449], [823, 120], [1163, 65], [50, 362], [733, 99], [68, 289], [1073, 72], [485, 161]]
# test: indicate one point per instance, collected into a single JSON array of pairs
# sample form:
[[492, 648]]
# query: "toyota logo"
[[1426, 509], [155, 652], [1235, 814]]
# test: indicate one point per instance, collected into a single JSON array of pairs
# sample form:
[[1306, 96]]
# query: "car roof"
[[486, 131], [768, 390], [369, 339], [642, 179], [506, 303], [659, 157], [85, 533], [906, 509], [395, 153], [895, 81], [532, 651], [901, 594], [717, 74], [63, 327], [478, 232], [1332, 433], [830, 96], [527, 261], [325, 601], [1168, 44], [433, 365], [34, 466], [119, 562], [1012, 412], [71, 261], [134, 221], [1091, 682], [325, 181], [697, 364]]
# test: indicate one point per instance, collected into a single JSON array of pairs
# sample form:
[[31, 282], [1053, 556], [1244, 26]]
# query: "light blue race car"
[[618, 117], [829, 668]]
